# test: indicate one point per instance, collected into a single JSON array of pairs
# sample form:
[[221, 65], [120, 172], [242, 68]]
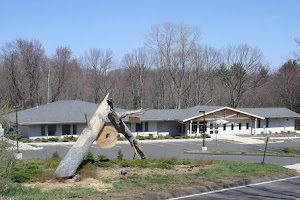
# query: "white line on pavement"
[[176, 144], [234, 188], [156, 144]]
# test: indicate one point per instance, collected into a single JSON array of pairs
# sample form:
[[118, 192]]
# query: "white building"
[[67, 118]]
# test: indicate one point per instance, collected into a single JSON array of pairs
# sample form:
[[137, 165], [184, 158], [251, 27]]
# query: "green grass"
[[217, 151], [222, 172], [215, 173], [26, 193]]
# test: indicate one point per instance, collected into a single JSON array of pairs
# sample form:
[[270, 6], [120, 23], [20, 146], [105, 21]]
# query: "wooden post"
[[69, 165]]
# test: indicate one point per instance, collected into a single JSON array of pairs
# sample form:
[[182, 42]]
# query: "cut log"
[[116, 119], [69, 165]]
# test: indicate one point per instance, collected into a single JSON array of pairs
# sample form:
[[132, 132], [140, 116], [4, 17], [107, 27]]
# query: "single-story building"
[[67, 117]]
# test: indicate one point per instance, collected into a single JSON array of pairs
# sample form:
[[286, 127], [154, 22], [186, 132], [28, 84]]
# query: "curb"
[[203, 189], [240, 154]]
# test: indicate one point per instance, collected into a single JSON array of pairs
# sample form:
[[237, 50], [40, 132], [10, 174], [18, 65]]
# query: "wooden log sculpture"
[[69, 165], [116, 119]]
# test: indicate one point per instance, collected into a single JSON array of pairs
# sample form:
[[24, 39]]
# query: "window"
[[211, 132], [258, 123], [240, 126], [74, 129], [194, 127], [146, 126], [66, 129], [51, 130], [128, 125], [139, 127], [232, 126], [217, 126], [267, 122], [43, 130], [247, 126], [211, 126], [224, 127]]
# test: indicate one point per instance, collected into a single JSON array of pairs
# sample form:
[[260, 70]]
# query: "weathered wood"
[[116, 120], [69, 165]]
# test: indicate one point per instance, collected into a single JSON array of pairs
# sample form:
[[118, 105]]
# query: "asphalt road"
[[178, 149], [278, 189]]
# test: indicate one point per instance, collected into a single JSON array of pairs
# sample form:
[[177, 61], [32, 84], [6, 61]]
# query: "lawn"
[[100, 177]]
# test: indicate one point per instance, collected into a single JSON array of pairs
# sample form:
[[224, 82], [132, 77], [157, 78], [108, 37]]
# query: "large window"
[[258, 123], [146, 126], [267, 122], [66, 129], [43, 130], [74, 129], [139, 127], [194, 127], [240, 126], [51, 130], [247, 126], [232, 126], [224, 127]]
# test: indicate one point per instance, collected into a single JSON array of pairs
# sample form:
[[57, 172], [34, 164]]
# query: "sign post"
[[267, 139]]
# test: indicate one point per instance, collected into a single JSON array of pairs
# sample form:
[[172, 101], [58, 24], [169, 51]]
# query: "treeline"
[[172, 70]]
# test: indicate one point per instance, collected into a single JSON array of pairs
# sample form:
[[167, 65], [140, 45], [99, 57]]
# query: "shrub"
[[185, 137], [168, 137], [205, 135], [44, 140], [120, 138], [25, 140], [26, 172], [178, 137], [53, 139], [140, 137], [120, 155], [37, 139], [55, 155], [90, 157], [105, 164], [65, 139], [102, 157]]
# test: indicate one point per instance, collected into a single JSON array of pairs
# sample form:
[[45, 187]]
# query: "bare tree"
[[99, 63], [136, 65], [61, 70], [241, 70], [175, 44]]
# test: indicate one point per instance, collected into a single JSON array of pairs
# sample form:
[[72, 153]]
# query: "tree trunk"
[[69, 165], [116, 120]]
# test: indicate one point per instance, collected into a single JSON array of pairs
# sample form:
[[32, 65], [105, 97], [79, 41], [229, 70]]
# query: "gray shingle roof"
[[72, 111], [271, 112]]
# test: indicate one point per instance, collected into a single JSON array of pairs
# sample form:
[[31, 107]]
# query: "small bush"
[[44, 140], [127, 163], [120, 138], [120, 155], [89, 157], [37, 139], [55, 155], [105, 164], [205, 135], [53, 139], [178, 137], [102, 157], [185, 137], [25, 140], [140, 137], [65, 139], [288, 150], [168, 137]]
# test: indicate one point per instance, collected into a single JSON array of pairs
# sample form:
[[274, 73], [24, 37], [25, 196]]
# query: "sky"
[[269, 25]]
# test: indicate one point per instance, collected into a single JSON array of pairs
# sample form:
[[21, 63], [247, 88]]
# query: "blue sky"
[[270, 25]]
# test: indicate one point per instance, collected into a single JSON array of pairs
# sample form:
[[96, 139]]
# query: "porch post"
[[198, 127], [71, 129], [255, 122], [190, 128]]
